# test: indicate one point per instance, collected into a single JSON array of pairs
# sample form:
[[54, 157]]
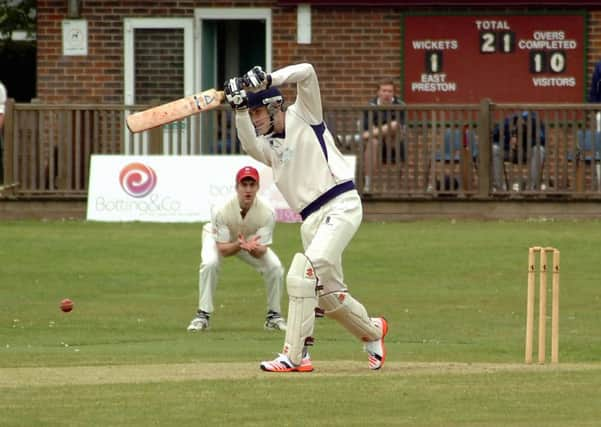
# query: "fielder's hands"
[[252, 245], [257, 79], [235, 93]]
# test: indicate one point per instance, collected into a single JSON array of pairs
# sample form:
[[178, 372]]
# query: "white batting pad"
[[349, 312], [301, 284]]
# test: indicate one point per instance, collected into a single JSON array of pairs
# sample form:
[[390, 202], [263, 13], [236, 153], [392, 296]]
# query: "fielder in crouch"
[[317, 182], [242, 226]]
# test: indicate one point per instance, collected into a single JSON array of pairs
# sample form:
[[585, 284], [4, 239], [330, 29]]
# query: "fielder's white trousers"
[[325, 235], [269, 266]]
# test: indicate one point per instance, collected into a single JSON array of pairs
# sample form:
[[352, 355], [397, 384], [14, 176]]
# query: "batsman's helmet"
[[271, 98]]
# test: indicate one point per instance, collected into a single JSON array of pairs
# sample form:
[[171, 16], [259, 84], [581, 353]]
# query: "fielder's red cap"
[[247, 172]]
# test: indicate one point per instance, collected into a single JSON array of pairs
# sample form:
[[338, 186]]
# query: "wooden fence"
[[437, 151]]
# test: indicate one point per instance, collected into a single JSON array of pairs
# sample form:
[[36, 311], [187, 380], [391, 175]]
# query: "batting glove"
[[257, 79], [235, 93]]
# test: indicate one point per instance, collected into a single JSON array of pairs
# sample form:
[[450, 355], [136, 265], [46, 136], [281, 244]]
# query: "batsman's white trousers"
[[326, 233], [269, 266]]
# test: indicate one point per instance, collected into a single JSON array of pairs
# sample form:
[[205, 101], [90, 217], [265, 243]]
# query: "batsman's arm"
[[308, 96], [252, 145]]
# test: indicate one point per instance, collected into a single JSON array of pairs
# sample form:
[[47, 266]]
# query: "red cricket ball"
[[66, 305]]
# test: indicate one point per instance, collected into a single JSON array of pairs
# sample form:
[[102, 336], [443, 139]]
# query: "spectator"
[[2, 107], [384, 125], [242, 226], [594, 94], [516, 141]]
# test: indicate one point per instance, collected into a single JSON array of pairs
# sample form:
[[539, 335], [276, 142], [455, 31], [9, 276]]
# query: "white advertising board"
[[172, 188]]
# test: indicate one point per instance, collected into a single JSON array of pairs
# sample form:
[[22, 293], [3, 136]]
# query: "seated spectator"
[[383, 127], [516, 140], [594, 94]]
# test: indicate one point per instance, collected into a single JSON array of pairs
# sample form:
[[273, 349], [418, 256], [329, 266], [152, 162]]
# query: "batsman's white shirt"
[[311, 174], [306, 163]]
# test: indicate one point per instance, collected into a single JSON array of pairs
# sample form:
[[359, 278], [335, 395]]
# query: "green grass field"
[[453, 292]]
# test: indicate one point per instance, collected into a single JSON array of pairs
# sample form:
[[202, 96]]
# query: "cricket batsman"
[[317, 182]]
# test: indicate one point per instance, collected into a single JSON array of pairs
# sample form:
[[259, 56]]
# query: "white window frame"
[[129, 25]]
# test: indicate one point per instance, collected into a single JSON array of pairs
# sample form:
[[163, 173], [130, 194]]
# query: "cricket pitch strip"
[[154, 373]]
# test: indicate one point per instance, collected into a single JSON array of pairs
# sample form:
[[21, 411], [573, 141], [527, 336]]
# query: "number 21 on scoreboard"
[[497, 41]]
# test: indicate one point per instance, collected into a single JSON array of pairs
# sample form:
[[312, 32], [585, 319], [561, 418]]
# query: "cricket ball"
[[66, 305]]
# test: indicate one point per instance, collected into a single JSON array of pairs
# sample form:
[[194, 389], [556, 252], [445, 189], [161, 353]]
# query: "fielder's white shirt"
[[305, 161], [227, 221]]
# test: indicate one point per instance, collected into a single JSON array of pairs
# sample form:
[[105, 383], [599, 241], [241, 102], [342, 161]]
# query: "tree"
[[18, 57], [17, 15]]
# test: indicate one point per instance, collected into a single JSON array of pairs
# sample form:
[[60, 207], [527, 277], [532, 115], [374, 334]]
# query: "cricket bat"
[[175, 110]]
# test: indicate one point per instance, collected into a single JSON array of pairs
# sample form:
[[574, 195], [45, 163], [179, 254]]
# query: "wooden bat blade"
[[174, 110]]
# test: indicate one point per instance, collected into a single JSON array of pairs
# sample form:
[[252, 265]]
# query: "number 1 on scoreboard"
[[433, 61]]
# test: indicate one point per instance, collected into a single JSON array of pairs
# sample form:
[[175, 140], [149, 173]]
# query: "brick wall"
[[352, 47], [594, 42]]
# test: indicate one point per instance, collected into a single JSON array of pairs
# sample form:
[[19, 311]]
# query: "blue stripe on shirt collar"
[[319, 130]]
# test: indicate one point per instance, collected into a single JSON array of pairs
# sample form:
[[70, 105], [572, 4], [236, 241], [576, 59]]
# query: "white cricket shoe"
[[283, 364], [376, 351], [199, 323], [274, 321]]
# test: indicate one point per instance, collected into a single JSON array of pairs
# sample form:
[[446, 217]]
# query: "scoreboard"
[[507, 58]]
